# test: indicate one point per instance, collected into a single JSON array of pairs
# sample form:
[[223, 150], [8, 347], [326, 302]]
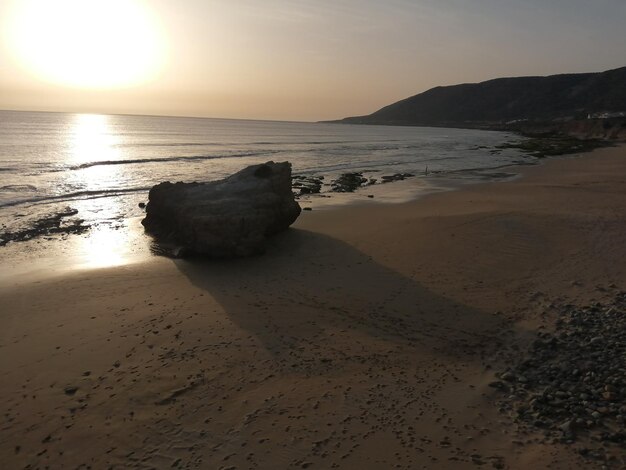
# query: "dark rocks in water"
[[348, 182], [345, 183], [226, 218], [60, 223], [552, 145], [307, 184], [396, 177]]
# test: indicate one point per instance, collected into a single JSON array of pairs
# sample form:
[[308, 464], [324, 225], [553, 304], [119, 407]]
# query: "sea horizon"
[[167, 116]]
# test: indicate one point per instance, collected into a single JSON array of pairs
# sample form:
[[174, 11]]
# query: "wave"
[[168, 144], [18, 188], [232, 144], [75, 195], [319, 142], [485, 170], [141, 161], [329, 149]]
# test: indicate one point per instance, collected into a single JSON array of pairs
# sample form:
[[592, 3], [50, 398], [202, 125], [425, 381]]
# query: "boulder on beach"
[[226, 218]]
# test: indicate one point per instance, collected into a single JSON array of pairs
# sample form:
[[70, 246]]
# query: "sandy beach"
[[365, 337]]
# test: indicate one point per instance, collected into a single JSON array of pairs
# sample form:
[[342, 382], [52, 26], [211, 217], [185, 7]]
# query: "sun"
[[87, 43]]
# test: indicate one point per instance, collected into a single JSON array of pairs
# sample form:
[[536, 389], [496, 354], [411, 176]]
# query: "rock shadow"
[[309, 287]]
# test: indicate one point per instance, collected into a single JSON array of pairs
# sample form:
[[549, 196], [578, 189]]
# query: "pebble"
[[571, 382]]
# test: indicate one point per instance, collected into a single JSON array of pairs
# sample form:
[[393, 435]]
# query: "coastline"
[[364, 338]]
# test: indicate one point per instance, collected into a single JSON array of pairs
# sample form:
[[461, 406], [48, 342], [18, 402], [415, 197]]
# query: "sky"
[[301, 60]]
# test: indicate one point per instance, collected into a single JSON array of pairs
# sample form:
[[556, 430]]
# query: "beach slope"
[[365, 337]]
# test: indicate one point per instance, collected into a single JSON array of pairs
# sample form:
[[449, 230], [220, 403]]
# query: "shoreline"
[[365, 337], [128, 244]]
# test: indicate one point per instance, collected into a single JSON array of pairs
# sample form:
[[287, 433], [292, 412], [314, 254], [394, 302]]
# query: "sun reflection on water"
[[103, 247], [93, 143], [92, 139]]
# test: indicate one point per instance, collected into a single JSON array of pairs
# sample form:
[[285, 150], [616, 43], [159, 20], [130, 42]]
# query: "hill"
[[505, 102]]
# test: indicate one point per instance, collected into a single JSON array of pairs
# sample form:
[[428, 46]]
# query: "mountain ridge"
[[506, 102]]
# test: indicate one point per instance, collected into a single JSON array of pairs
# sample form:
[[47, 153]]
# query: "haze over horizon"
[[286, 60]]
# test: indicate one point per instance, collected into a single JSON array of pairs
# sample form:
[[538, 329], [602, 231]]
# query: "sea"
[[101, 167]]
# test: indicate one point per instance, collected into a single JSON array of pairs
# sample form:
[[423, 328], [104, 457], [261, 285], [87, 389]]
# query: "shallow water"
[[103, 165]]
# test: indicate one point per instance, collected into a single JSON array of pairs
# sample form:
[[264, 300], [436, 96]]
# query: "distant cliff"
[[514, 103]]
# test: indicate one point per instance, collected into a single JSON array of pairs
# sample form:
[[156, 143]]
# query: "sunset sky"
[[286, 59]]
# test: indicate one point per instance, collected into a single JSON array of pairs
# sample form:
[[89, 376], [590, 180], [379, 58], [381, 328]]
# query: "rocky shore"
[[570, 385], [552, 145], [62, 223], [345, 183]]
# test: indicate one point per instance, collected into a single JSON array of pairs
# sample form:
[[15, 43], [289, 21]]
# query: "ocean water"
[[102, 166]]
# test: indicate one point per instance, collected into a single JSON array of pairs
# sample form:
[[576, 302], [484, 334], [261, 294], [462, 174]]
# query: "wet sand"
[[364, 338]]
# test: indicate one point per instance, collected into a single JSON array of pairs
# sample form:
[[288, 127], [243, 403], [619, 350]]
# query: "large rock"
[[227, 218]]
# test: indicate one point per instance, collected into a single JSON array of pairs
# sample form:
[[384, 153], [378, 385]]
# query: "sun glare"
[[87, 43], [92, 139]]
